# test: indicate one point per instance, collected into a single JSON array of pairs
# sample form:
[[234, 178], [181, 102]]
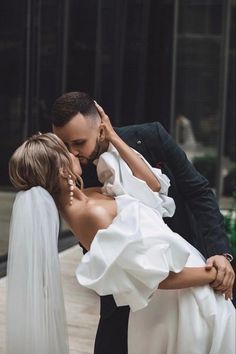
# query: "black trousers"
[[111, 337]]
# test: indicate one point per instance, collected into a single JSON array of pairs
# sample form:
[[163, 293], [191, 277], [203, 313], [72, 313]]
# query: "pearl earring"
[[71, 188]]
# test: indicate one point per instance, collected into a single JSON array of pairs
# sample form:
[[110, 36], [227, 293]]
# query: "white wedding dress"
[[135, 253]]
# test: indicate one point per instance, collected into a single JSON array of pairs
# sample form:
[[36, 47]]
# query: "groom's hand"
[[224, 281]]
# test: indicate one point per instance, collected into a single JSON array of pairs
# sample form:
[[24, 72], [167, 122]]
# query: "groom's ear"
[[102, 134]]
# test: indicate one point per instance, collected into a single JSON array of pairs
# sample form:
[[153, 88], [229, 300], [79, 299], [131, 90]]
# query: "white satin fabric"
[[35, 307], [117, 179], [135, 253]]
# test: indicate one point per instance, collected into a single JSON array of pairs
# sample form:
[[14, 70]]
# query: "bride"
[[132, 254]]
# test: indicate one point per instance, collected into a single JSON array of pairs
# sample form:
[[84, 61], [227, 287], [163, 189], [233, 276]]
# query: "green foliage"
[[230, 225]]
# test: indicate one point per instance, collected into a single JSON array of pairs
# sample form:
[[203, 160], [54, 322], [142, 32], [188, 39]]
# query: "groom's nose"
[[74, 151]]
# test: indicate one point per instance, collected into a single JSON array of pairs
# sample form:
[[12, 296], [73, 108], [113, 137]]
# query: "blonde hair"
[[37, 163]]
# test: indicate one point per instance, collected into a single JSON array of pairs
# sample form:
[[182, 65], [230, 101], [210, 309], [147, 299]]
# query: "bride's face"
[[76, 165]]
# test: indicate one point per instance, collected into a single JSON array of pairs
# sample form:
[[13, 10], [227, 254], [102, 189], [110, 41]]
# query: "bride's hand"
[[106, 123]]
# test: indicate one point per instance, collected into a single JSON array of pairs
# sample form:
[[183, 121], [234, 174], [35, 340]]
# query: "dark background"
[[142, 60]]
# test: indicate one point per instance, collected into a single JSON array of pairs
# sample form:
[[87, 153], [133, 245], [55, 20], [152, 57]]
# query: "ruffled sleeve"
[[128, 263], [117, 179]]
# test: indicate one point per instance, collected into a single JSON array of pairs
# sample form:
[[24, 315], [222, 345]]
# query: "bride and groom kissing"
[[137, 224]]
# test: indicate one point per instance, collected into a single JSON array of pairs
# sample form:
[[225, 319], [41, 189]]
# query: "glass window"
[[82, 25], [205, 86], [12, 97], [31, 63], [12, 83]]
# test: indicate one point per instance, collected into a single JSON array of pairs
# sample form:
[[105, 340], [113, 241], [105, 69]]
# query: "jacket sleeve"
[[195, 191]]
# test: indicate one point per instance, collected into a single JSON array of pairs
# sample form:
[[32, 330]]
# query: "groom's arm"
[[200, 199], [196, 192]]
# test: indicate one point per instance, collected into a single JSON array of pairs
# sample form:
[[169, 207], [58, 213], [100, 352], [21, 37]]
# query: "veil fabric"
[[36, 322]]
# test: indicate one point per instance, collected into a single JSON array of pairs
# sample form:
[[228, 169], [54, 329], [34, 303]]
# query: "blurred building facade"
[[142, 60]]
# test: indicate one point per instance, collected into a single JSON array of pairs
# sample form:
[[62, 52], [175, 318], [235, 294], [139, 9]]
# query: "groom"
[[76, 121]]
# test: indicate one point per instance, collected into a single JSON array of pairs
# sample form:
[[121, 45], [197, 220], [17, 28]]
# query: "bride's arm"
[[133, 160], [190, 277]]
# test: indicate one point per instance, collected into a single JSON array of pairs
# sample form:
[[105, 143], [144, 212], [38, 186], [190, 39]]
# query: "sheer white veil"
[[36, 321]]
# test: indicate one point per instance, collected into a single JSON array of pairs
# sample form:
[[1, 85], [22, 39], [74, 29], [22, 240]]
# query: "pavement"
[[82, 306]]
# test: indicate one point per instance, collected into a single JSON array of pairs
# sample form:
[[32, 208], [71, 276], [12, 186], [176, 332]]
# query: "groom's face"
[[81, 136]]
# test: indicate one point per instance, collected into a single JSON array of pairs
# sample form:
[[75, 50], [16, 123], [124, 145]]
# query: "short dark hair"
[[69, 104]]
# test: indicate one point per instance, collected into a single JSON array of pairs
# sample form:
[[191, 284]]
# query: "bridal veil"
[[36, 321]]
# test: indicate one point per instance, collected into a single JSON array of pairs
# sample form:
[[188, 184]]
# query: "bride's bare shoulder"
[[94, 214], [86, 218], [89, 220]]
